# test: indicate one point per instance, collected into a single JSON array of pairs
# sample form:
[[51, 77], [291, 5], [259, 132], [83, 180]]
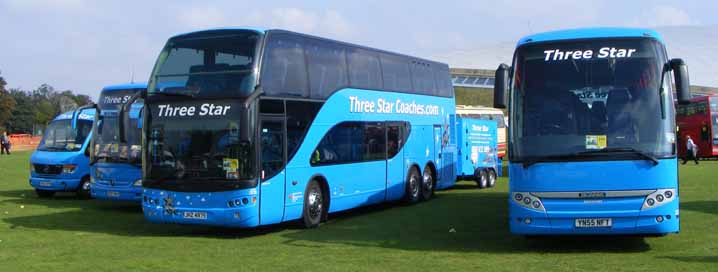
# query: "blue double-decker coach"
[[248, 127], [115, 166], [60, 162], [592, 132]]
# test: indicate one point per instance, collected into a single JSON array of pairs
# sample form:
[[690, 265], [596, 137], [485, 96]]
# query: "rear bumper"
[[120, 193], [53, 184], [215, 205], [623, 221]]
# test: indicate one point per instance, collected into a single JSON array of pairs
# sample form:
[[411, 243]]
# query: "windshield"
[[212, 64], [571, 97], [107, 141], [199, 150], [59, 136]]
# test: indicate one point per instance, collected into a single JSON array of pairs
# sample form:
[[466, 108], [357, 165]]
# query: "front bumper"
[[127, 192], [172, 207], [623, 221], [54, 184]]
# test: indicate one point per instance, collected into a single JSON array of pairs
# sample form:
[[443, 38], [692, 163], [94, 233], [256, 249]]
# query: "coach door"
[[272, 157], [395, 137]]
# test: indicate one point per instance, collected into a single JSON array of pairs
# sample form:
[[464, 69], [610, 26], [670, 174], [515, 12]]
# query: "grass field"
[[461, 229]]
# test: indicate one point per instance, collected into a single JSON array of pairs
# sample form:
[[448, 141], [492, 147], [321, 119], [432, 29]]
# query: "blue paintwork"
[[473, 138], [115, 181], [63, 182], [589, 33], [281, 197], [593, 176]]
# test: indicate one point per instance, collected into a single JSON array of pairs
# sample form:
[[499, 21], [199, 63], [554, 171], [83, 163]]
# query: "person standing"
[[4, 143], [691, 150]]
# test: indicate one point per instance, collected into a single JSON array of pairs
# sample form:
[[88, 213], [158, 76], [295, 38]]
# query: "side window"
[[374, 142], [443, 81], [300, 114], [284, 69], [364, 69], [272, 154], [423, 78], [327, 68], [342, 144], [395, 73], [397, 134]]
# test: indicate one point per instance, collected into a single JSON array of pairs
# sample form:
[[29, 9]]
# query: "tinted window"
[[423, 78], [327, 68], [284, 70], [396, 133], [396, 73], [374, 144], [342, 144], [364, 69], [300, 114], [272, 148], [443, 81]]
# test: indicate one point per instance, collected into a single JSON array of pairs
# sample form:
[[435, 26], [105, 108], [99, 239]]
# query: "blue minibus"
[[61, 161], [592, 133], [116, 167], [246, 127]]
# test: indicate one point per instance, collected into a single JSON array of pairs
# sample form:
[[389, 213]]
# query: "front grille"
[[48, 169]]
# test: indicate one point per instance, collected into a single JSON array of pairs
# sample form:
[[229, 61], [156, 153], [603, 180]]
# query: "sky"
[[83, 45]]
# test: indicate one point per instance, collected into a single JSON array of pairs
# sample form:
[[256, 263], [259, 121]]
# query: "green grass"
[[68, 234]]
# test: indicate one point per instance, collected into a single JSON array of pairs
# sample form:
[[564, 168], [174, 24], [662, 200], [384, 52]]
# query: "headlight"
[[69, 168], [137, 182], [528, 201], [658, 198]]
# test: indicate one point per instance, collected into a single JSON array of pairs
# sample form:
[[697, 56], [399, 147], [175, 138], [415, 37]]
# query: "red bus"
[[699, 119]]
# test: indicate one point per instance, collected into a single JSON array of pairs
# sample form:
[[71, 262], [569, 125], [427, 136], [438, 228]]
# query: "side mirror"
[[683, 85], [501, 86]]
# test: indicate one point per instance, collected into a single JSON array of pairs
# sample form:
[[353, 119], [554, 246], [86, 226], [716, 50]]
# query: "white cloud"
[[664, 16]]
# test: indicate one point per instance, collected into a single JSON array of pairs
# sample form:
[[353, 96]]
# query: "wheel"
[[427, 184], [44, 193], [491, 174], [313, 205], [83, 191], [413, 186], [481, 178]]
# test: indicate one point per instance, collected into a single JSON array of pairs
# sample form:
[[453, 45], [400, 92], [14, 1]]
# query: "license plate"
[[194, 215], [594, 223], [45, 183], [113, 194]]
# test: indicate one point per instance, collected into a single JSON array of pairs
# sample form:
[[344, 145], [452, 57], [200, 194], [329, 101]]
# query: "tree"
[[23, 116], [7, 104]]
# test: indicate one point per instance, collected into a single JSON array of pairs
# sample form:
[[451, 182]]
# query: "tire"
[[44, 193], [427, 184], [413, 186], [83, 191], [481, 178], [314, 208], [491, 175]]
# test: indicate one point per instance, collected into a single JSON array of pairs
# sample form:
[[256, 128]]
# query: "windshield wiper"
[[644, 155]]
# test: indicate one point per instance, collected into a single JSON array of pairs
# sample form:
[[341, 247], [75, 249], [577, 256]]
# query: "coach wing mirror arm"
[[501, 86], [78, 111], [683, 85], [124, 111]]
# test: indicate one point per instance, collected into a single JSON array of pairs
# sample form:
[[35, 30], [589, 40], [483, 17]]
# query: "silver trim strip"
[[593, 194]]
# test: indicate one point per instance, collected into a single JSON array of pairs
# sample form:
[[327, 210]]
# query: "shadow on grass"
[[454, 221], [704, 206], [693, 259]]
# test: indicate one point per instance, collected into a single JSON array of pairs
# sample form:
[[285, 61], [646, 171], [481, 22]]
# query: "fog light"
[[527, 220], [659, 219], [537, 204], [659, 198], [650, 202], [668, 194], [518, 197], [237, 203], [236, 215], [527, 200]]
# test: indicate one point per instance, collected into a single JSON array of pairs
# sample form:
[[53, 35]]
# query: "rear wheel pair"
[[419, 187], [485, 178]]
